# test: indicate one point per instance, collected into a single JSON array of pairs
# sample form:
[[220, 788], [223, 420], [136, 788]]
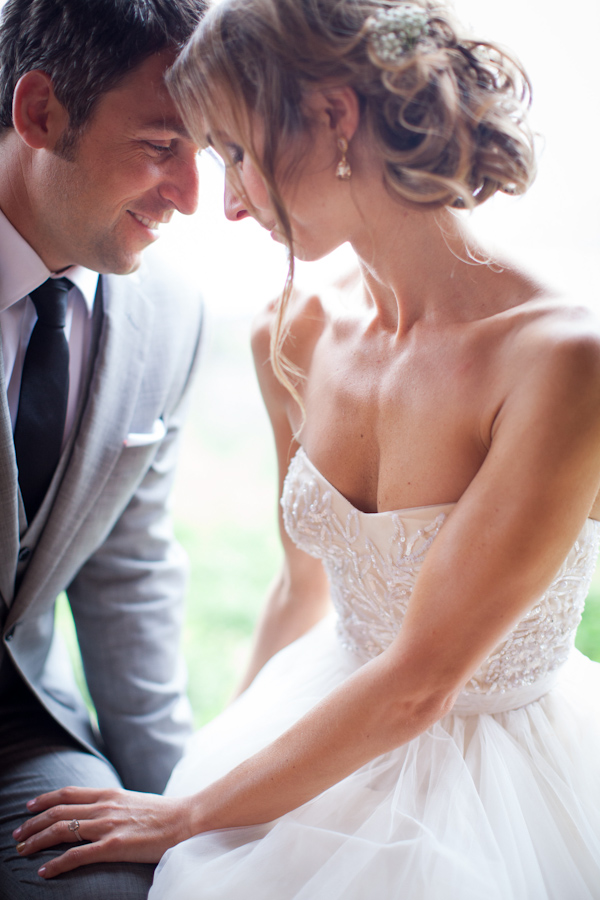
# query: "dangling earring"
[[343, 171]]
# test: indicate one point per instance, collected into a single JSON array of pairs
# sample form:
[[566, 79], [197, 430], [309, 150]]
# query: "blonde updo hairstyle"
[[447, 117]]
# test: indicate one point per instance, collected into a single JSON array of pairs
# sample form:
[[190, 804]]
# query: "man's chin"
[[132, 266], [117, 265]]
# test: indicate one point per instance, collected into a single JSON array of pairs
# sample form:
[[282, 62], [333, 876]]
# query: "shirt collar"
[[86, 281], [22, 270]]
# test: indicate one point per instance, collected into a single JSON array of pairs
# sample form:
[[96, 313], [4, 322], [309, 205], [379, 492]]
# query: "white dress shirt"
[[21, 271]]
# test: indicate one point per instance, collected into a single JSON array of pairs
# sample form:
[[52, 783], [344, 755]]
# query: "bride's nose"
[[234, 207]]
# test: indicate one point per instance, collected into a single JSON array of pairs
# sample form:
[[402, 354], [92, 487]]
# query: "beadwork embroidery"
[[372, 578]]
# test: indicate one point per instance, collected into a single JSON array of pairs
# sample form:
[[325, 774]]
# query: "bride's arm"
[[297, 599], [299, 594], [497, 552]]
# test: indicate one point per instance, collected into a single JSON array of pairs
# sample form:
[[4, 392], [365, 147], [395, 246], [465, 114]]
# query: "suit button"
[[10, 634], [24, 554]]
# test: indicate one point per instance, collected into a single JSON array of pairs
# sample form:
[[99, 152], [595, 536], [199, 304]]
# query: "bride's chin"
[[301, 253]]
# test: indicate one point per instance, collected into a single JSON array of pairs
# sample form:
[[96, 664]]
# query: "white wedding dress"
[[500, 800]]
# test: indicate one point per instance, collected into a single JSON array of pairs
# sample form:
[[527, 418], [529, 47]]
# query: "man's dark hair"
[[86, 46]]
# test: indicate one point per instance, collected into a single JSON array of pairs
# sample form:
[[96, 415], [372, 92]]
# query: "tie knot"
[[50, 301]]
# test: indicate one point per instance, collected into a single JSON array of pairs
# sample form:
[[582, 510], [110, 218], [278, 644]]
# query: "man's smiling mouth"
[[152, 224]]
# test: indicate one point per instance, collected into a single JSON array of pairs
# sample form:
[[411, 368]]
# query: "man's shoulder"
[[173, 291]]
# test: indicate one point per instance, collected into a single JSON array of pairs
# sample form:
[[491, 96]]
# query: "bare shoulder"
[[555, 316], [556, 339], [305, 320], [305, 314], [260, 338], [547, 371]]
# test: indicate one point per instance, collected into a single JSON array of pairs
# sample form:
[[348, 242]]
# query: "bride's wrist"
[[190, 820], [197, 816]]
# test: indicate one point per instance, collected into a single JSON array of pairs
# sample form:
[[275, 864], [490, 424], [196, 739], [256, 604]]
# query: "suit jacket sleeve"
[[127, 602]]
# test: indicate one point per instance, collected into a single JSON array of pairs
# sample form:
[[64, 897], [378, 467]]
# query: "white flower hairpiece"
[[394, 31]]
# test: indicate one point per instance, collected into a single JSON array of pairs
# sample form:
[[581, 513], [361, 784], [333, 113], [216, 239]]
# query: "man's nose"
[[180, 187], [235, 209]]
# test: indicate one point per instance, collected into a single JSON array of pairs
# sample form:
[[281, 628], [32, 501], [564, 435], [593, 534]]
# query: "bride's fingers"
[[67, 831], [80, 855], [66, 796], [57, 815], [65, 805], [118, 825]]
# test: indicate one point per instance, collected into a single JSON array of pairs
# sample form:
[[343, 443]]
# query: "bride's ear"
[[335, 108]]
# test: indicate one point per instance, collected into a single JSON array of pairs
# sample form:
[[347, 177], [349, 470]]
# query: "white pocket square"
[[143, 439]]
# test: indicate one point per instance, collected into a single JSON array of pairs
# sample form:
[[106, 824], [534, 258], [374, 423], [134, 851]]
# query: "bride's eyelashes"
[[235, 154]]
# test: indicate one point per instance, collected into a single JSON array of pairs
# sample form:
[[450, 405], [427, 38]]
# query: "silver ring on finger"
[[74, 827]]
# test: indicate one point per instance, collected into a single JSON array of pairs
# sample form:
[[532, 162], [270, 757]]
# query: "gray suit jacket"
[[103, 534]]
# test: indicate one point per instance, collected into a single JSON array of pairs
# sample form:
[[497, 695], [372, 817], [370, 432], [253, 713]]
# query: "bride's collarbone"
[[408, 429]]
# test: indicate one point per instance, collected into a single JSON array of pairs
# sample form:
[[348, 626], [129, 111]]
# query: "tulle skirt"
[[479, 807]]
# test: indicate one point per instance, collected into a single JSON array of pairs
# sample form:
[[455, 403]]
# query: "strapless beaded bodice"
[[372, 561]]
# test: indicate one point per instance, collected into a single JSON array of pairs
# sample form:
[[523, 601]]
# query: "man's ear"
[[38, 117], [336, 107]]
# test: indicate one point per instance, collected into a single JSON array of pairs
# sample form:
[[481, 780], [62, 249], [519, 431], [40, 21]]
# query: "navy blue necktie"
[[44, 393]]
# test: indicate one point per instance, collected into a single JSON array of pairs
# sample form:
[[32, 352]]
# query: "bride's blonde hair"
[[446, 115]]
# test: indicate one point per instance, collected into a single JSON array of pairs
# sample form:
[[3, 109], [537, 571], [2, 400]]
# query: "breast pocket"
[[145, 439]]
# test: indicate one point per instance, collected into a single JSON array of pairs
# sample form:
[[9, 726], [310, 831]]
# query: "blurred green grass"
[[225, 517], [588, 633], [230, 568]]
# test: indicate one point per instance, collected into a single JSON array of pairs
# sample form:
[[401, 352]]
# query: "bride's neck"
[[420, 265]]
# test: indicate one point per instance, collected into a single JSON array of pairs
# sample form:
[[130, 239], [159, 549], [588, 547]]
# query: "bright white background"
[[554, 229]]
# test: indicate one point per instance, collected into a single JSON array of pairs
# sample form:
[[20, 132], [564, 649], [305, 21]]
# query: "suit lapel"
[[9, 497], [113, 391]]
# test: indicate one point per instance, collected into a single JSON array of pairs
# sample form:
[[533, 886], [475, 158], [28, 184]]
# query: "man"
[[93, 378]]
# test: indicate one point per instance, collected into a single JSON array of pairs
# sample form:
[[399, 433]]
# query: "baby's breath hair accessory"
[[393, 31]]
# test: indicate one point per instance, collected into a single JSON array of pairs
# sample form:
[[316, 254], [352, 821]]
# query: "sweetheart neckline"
[[385, 512]]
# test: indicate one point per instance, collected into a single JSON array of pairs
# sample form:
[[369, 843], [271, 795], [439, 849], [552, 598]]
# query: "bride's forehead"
[[235, 124], [225, 111]]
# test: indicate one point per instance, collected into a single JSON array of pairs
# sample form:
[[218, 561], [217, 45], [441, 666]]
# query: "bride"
[[438, 437]]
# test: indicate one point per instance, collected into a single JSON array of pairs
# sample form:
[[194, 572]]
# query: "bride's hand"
[[103, 826]]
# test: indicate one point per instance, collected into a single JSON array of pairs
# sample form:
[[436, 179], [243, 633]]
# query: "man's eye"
[[158, 149]]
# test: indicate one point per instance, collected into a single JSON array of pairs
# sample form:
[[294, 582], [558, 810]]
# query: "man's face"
[[132, 166]]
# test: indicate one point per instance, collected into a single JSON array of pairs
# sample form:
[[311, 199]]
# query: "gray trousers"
[[37, 755]]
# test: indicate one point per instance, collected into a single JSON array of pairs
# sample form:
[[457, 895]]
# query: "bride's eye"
[[236, 154]]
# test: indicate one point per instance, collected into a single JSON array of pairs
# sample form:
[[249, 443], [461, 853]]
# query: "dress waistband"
[[469, 703]]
